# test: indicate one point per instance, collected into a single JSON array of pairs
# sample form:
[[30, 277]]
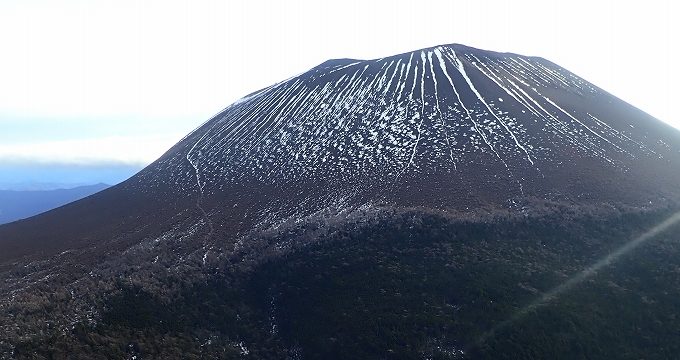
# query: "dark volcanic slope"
[[450, 127], [451, 130]]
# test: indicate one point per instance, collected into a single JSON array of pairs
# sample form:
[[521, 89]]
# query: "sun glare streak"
[[583, 275]]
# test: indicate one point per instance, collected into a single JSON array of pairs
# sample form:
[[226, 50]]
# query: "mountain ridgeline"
[[17, 205], [409, 207]]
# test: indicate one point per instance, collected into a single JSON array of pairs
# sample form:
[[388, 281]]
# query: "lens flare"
[[583, 275]]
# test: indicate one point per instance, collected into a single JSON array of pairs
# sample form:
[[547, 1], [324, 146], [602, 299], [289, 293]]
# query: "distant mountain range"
[[39, 186], [16, 205], [53, 176]]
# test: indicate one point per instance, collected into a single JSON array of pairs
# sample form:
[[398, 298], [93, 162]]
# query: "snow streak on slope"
[[436, 111]]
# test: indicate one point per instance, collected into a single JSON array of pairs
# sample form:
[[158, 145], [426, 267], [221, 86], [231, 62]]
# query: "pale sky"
[[98, 81]]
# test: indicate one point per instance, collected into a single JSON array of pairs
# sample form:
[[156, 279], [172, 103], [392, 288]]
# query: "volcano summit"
[[389, 208], [445, 126]]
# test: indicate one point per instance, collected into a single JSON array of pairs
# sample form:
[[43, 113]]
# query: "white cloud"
[[127, 150]]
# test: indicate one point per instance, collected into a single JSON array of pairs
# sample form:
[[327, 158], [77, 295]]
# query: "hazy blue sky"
[[92, 82]]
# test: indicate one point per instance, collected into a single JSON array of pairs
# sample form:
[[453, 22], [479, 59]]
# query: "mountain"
[[16, 205], [22, 176], [414, 206]]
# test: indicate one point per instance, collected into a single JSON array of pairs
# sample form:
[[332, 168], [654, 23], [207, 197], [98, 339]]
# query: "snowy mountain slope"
[[453, 117]]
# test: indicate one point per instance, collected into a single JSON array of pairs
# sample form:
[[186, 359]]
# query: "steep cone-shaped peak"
[[407, 206], [449, 126]]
